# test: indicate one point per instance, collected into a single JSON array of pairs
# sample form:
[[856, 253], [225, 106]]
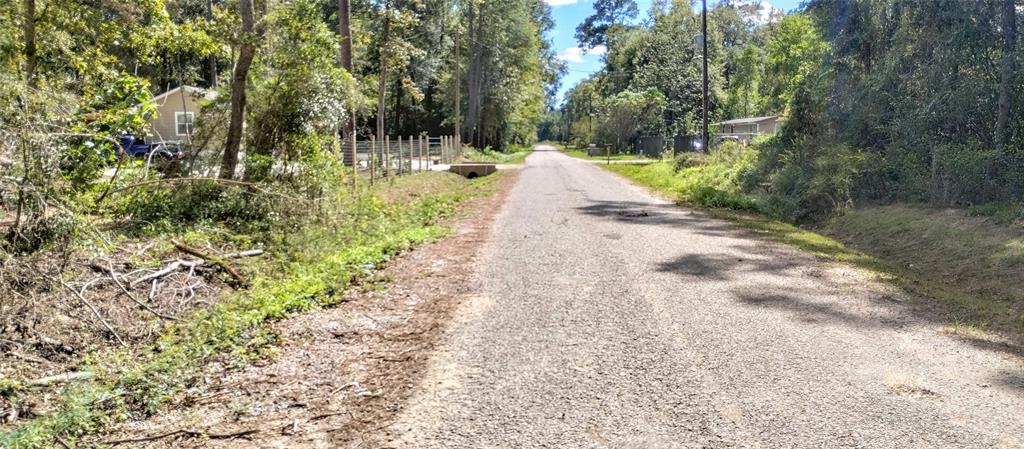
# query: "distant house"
[[748, 128], [176, 113]]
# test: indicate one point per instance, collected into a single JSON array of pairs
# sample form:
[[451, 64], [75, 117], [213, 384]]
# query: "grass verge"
[[968, 269], [516, 155], [311, 267], [581, 154]]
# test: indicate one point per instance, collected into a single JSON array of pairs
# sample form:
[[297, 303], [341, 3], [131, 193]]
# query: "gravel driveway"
[[607, 318]]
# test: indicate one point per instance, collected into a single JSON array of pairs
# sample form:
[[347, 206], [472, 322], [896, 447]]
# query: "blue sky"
[[569, 13]]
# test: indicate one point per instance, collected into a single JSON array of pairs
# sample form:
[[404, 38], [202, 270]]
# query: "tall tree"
[[1006, 73], [29, 29], [239, 80], [593, 31], [345, 30], [382, 71]]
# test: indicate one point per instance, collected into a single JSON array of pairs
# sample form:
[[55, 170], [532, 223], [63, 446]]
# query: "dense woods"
[[881, 101]]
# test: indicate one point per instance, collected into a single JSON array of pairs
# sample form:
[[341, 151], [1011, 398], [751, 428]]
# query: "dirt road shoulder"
[[342, 372]]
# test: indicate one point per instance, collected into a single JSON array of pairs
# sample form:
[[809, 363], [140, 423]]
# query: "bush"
[[158, 208], [687, 160], [964, 175], [41, 232], [1002, 213]]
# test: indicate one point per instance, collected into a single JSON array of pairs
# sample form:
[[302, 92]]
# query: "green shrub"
[[687, 160], [40, 232], [830, 187], [1002, 213], [158, 208], [965, 175]]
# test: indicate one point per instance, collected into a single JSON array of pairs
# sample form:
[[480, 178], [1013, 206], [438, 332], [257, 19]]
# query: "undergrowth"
[[515, 155], [341, 238]]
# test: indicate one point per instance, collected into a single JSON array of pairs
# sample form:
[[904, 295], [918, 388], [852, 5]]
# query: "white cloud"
[[572, 54], [560, 2], [575, 54]]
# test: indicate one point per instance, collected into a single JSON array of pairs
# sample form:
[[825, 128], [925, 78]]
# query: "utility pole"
[[704, 112], [590, 117]]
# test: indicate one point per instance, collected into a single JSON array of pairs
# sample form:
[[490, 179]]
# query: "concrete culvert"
[[473, 169]]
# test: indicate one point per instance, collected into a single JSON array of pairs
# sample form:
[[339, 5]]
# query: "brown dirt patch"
[[340, 373]]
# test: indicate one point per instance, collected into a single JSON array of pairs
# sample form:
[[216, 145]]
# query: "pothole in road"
[[633, 213]]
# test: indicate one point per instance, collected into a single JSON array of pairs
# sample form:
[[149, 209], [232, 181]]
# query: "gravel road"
[[604, 317]]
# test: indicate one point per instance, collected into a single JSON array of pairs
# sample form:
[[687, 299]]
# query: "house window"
[[183, 123]]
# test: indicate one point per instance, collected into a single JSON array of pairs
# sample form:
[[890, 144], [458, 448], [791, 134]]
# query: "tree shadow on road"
[[722, 266], [809, 311], [660, 214], [751, 255]]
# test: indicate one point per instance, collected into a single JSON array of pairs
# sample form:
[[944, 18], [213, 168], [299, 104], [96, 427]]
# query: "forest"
[[881, 101]]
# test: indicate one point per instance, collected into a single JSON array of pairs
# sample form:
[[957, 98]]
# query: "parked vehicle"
[[138, 148], [133, 147]]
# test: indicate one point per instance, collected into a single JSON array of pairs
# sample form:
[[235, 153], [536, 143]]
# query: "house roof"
[[192, 90], [747, 120]]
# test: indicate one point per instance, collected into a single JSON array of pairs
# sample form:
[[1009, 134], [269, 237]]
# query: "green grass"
[[516, 155], [310, 268], [974, 265], [581, 154], [969, 270], [1002, 213]]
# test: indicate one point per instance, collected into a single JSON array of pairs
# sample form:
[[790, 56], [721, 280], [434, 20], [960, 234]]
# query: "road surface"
[[607, 318]]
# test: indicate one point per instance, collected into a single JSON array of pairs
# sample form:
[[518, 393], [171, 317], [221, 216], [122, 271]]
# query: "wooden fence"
[[400, 155]]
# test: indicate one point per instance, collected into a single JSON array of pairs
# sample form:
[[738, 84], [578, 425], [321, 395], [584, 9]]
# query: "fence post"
[[373, 157], [387, 156], [444, 150], [412, 152], [421, 153]]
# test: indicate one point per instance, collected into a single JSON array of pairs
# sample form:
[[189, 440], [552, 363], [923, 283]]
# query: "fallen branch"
[[113, 275], [93, 308], [60, 378], [218, 261], [186, 432], [174, 266], [30, 358], [241, 254]]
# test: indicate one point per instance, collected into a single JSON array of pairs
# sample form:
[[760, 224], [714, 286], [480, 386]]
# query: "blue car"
[[138, 148], [133, 147]]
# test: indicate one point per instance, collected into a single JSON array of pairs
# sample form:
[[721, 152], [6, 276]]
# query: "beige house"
[[748, 128], [176, 114]]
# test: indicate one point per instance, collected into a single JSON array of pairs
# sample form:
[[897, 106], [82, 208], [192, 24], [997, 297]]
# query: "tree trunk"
[[396, 121], [239, 79], [382, 77], [1006, 72], [458, 90], [212, 59], [473, 103], [345, 29], [29, 29]]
